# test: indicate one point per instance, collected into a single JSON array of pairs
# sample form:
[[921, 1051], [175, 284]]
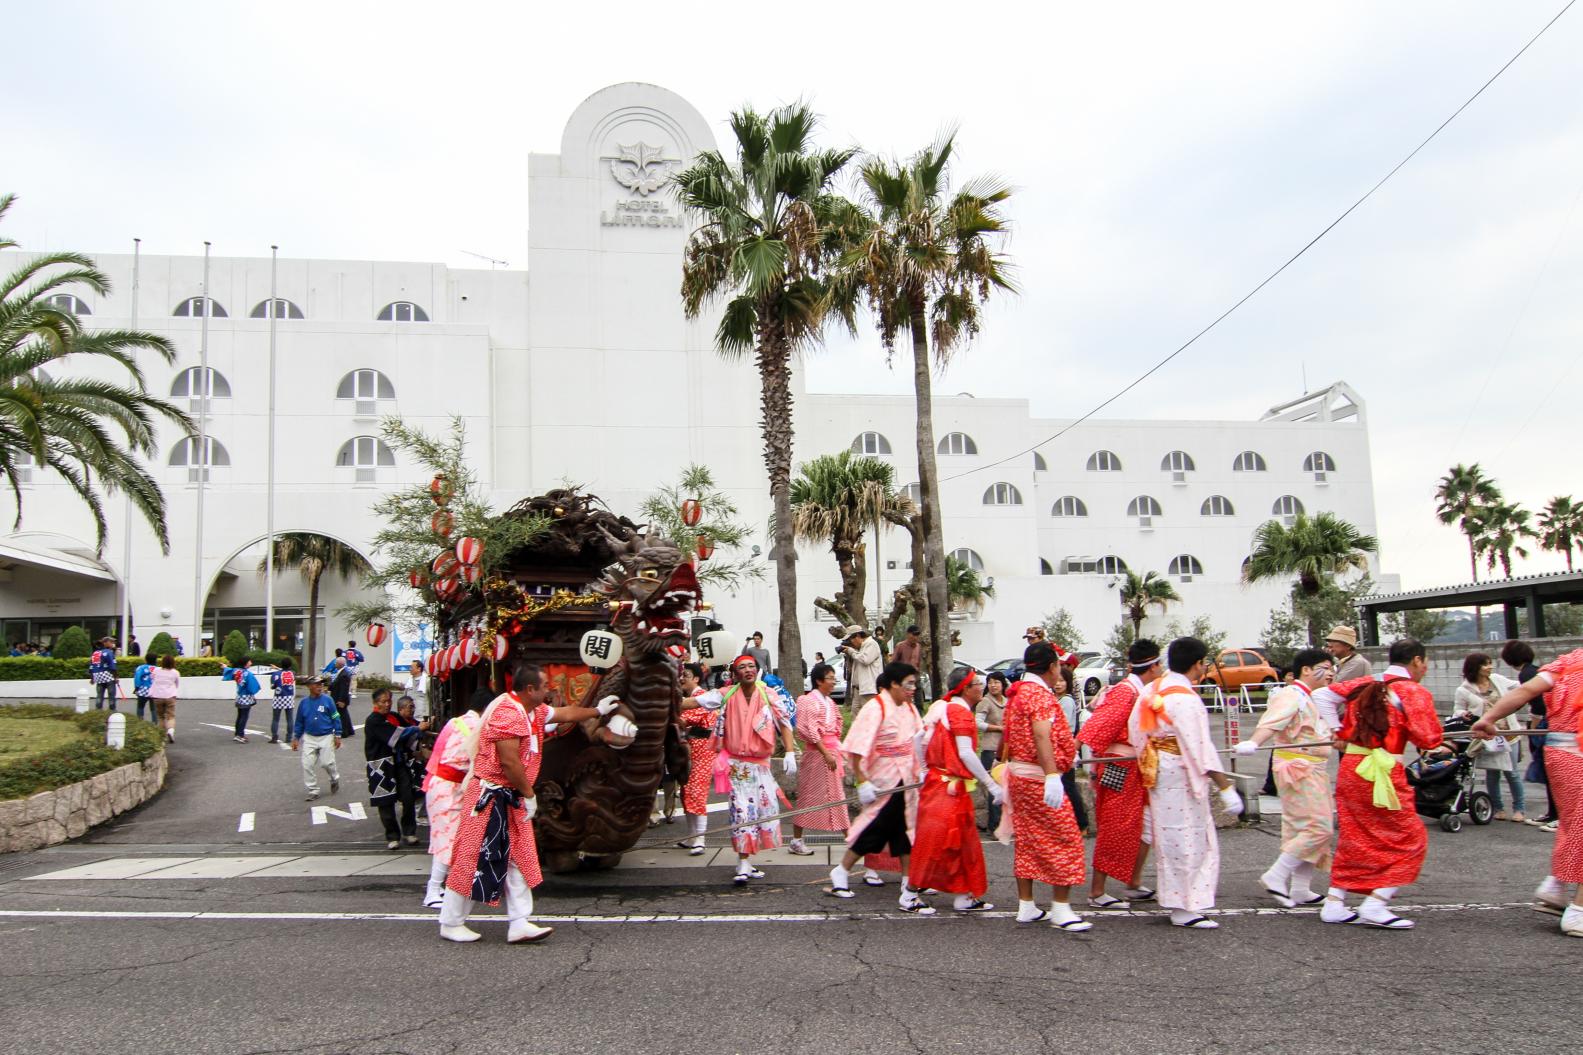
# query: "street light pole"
[[126, 499], [269, 487], [201, 454]]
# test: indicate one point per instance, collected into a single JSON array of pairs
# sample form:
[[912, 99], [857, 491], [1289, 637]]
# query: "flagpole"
[[269, 487], [202, 455], [126, 498]]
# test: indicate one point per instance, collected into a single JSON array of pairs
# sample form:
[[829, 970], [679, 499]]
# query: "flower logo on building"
[[641, 168]]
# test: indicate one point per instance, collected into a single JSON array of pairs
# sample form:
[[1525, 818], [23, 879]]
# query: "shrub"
[[370, 682], [31, 668], [162, 645], [72, 643], [85, 758], [267, 656], [234, 648], [199, 666]]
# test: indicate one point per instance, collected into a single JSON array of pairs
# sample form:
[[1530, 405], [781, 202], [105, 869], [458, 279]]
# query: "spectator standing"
[[283, 685], [385, 743], [1498, 758], [164, 687], [181, 650], [416, 685], [206, 648], [1062, 688], [909, 650], [1519, 655], [341, 693], [1342, 644], [353, 656], [101, 672], [132, 647], [246, 694], [991, 717], [761, 655], [142, 681], [317, 734], [862, 652]]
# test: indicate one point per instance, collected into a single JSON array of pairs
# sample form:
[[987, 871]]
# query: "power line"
[[1135, 382]]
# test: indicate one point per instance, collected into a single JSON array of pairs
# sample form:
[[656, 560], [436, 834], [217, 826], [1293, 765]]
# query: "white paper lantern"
[[600, 649], [718, 648]]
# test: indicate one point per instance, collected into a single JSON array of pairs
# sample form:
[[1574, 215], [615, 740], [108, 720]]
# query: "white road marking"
[[680, 917], [245, 824], [353, 812]]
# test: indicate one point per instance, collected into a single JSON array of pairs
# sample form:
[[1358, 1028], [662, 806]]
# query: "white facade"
[[584, 369]]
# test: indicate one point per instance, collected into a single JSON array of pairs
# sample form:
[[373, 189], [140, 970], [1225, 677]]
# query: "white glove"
[[530, 807], [1246, 747], [997, 794], [790, 762], [1054, 793], [621, 725], [606, 705], [1231, 801], [867, 792]]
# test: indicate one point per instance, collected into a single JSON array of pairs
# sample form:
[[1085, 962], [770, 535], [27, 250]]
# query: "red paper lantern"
[[444, 565], [470, 573], [469, 550], [374, 635], [445, 589], [442, 522], [434, 663], [706, 547], [470, 651], [692, 512], [418, 578], [502, 646], [440, 490]]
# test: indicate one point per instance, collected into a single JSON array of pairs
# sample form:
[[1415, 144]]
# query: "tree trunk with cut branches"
[[774, 363], [937, 625]]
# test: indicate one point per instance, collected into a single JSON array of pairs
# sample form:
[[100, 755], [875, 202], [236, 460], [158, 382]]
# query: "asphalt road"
[[667, 957]]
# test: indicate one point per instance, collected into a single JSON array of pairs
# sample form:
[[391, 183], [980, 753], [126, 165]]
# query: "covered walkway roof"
[[1527, 591]]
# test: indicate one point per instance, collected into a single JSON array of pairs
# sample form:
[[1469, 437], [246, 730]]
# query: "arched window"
[[1104, 462], [1002, 494], [1039, 464], [956, 443], [367, 387], [402, 311], [199, 460], [195, 307], [1249, 462], [22, 466], [1321, 465], [915, 492], [1217, 506], [1045, 567], [1111, 565], [1287, 507], [1185, 567], [192, 385], [1145, 509], [68, 302], [969, 558], [1069, 506], [284, 309], [870, 443], [1178, 463], [366, 455]]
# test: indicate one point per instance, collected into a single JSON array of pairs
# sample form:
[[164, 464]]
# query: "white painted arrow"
[[354, 812]]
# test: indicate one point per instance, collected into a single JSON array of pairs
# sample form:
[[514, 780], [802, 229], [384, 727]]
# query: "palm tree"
[[1462, 494], [923, 260], [314, 556], [1561, 526], [68, 424], [1502, 527], [1139, 593], [964, 589], [1315, 549], [760, 245], [836, 498]]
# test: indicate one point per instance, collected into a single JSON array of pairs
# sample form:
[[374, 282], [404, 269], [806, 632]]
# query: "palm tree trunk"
[[937, 643], [310, 665], [774, 362], [854, 580], [1478, 613]]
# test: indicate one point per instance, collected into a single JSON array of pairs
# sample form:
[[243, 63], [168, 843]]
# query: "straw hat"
[[1344, 634]]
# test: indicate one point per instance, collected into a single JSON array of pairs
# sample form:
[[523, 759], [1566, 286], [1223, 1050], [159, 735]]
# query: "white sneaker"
[[523, 931], [1572, 922], [459, 933], [798, 847]]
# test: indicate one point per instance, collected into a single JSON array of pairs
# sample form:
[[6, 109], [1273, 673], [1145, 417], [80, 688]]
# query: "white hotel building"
[[583, 368]]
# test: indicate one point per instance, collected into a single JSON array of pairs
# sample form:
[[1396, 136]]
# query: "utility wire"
[[1135, 382]]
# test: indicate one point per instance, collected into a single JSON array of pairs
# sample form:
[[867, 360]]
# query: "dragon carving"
[[595, 798]]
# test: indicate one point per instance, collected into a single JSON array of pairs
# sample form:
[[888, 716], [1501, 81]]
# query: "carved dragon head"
[[652, 588]]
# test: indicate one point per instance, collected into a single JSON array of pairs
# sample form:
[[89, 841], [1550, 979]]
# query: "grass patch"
[[63, 747]]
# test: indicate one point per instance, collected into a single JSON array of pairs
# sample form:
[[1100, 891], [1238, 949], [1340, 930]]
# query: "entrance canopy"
[[1528, 591], [37, 551]]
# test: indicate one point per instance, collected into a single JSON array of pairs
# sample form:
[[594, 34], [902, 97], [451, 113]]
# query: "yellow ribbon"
[[1376, 768], [954, 783]]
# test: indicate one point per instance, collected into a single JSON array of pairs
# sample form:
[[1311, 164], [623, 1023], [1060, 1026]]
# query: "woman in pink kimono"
[[442, 783], [1169, 729], [884, 749], [1302, 777], [821, 767]]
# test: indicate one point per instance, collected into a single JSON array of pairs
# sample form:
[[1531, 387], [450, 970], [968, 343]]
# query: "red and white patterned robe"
[[1117, 814], [510, 719]]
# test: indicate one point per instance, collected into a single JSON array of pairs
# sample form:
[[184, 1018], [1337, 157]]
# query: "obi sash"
[[454, 774], [1376, 768], [1294, 765], [1149, 757]]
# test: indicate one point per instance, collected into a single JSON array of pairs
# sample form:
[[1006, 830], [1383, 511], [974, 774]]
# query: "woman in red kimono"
[[698, 723], [946, 854]]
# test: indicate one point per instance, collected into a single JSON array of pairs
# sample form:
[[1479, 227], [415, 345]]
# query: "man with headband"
[[947, 855], [1120, 801], [750, 716]]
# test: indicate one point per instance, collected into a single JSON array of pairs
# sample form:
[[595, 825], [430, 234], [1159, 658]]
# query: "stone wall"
[[1445, 661], [52, 817]]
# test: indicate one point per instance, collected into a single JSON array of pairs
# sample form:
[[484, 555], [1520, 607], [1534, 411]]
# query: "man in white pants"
[[317, 733]]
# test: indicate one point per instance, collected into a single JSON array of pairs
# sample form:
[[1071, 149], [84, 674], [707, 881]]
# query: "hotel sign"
[[643, 171]]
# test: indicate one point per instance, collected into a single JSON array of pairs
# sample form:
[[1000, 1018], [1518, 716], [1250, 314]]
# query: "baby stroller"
[[1444, 785]]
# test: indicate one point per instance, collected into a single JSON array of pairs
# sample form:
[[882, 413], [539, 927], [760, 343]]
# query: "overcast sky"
[[1166, 158]]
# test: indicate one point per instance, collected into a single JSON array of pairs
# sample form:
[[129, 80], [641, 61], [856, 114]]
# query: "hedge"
[[48, 668], [78, 761]]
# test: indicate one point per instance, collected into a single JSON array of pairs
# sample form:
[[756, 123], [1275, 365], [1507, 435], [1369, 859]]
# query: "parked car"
[[1094, 671], [1236, 667]]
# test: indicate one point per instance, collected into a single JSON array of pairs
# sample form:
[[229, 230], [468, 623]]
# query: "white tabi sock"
[[1302, 881], [1337, 894], [964, 902], [1061, 912], [699, 823], [1288, 862], [1551, 887], [744, 867], [840, 877], [1027, 911], [438, 870], [1385, 893]]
